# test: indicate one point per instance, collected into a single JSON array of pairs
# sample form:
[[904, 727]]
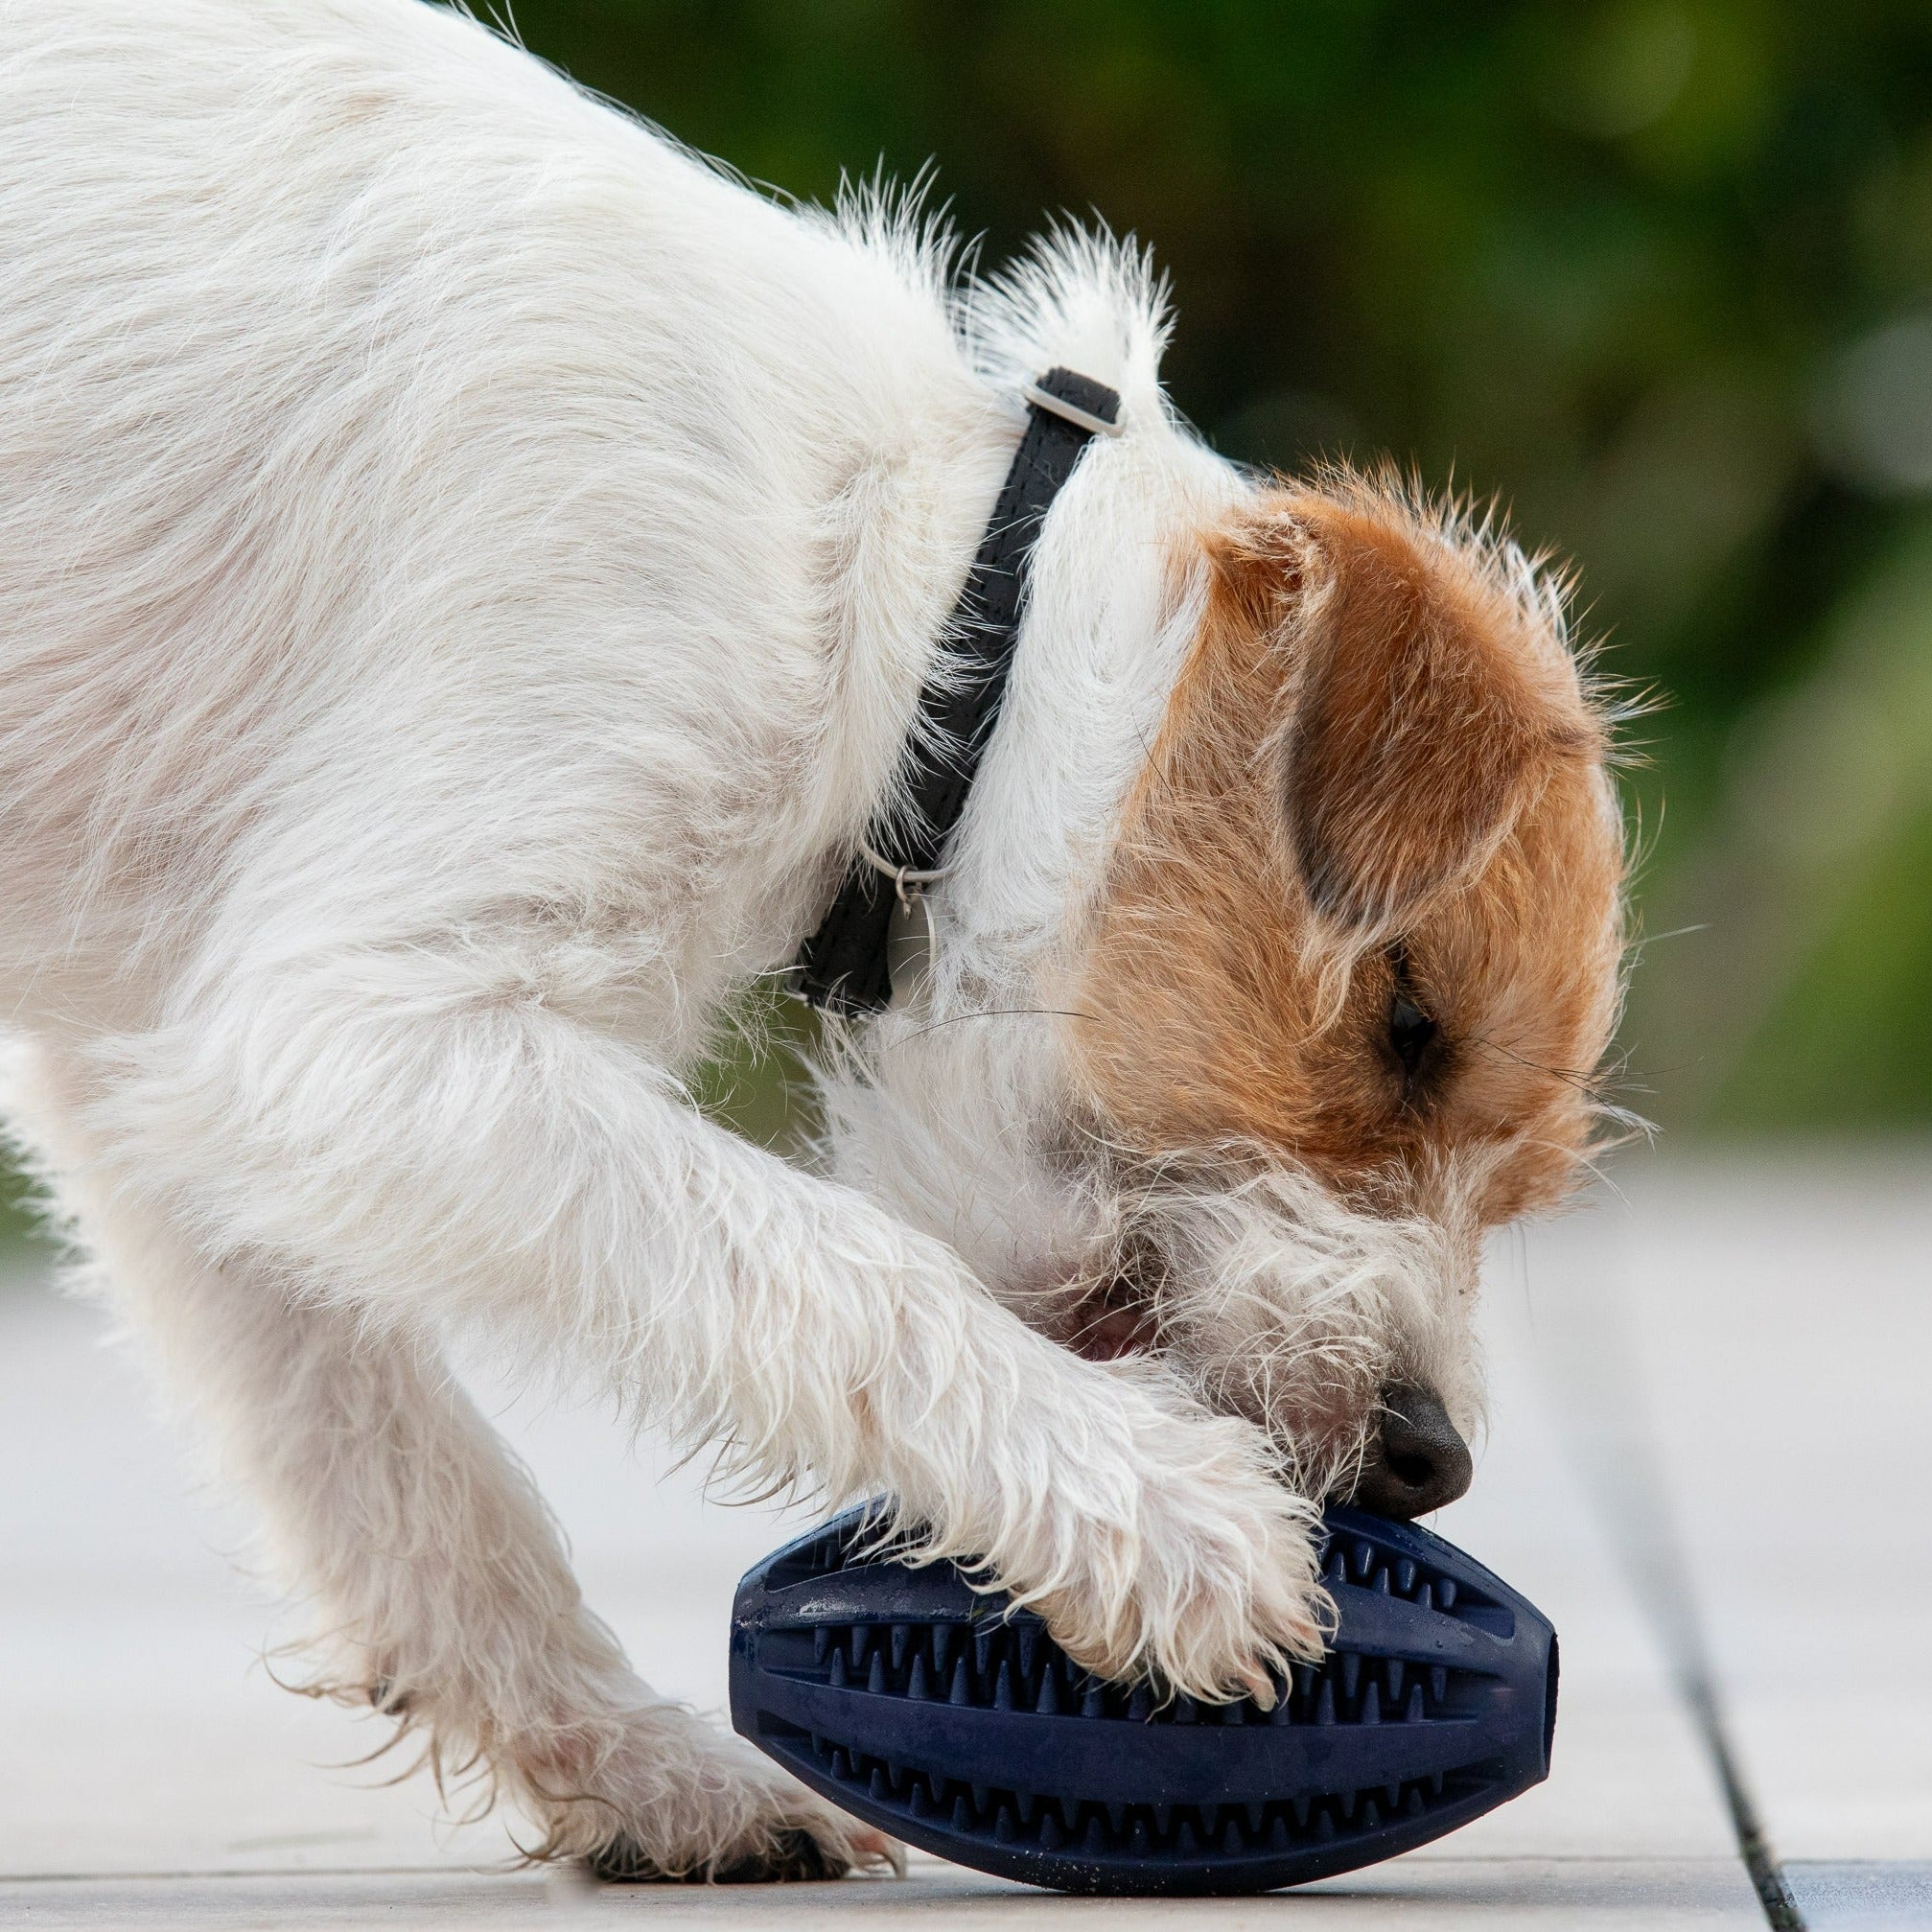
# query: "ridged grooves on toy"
[[1009, 1663], [1136, 1830], [1020, 1818], [1429, 1717], [1006, 1667]]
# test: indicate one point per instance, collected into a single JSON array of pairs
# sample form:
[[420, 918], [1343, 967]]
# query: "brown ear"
[[1426, 715]]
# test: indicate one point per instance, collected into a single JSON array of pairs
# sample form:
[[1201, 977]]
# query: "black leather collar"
[[842, 965]]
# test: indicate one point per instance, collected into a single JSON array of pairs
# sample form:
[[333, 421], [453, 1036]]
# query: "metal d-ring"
[[909, 884], [903, 876]]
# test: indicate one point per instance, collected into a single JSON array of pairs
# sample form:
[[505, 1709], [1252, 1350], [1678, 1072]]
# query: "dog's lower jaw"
[[1318, 1426]]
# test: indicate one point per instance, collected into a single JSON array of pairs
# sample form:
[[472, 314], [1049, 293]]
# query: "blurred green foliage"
[[1656, 273], [20, 1231]]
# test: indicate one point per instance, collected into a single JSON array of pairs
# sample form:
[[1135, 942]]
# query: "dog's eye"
[[1411, 1032]]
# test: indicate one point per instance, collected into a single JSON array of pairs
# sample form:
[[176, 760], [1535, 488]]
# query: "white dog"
[[467, 575]]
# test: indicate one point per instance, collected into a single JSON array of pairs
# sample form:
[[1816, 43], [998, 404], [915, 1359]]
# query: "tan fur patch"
[[1378, 762]]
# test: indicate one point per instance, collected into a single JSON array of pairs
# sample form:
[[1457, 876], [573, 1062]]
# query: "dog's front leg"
[[441, 1157], [441, 1591]]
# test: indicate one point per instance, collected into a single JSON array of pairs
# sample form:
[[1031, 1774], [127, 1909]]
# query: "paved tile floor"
[[1703, 1463]]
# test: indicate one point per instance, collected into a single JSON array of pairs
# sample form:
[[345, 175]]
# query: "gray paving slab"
[[1862, 1894], [1628, 1777], [1767, 1325], [1521, 1895]]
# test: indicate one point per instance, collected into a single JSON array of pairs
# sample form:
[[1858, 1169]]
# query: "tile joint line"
[[1760, 1861], [1622, 1471]]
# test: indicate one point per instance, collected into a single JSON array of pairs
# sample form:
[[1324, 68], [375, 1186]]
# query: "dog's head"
[[1332, 1004]]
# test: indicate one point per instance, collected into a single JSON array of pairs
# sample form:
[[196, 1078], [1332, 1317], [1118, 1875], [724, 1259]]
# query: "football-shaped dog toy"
[[936, 1712]]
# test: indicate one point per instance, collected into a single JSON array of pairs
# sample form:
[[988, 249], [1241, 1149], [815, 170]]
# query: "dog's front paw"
[[1210, 1584], [670, 1799], [824, 1845]]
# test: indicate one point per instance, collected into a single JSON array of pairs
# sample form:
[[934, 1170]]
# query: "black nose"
[[1416, 1462]]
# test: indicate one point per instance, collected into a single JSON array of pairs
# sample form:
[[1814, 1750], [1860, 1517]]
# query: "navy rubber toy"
[[929, 1709]]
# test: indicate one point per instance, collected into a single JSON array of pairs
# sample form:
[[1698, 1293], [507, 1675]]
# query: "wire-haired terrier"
[[474, 581]]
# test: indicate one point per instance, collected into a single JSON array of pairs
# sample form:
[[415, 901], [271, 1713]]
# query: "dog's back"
[[380, 417]]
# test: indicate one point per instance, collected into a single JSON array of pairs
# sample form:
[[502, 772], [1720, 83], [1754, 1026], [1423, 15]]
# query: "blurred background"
[[1656, 274]]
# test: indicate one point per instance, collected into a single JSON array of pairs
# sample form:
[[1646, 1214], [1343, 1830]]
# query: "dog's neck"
[[902, 422], [844, 966], [945, 1105], [1111, 611]]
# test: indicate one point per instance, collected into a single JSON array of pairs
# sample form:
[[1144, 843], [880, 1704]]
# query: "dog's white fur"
[[466, 572]]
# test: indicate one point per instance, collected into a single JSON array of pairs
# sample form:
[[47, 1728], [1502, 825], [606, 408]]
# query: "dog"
[[468, 573]]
